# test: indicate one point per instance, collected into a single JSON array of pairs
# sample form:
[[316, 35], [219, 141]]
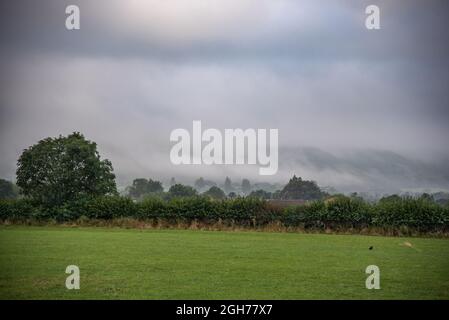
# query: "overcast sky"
[[356, 109]]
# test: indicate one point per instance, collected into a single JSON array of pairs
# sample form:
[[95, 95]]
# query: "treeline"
[[63, 179], [295, 189], [339, 212]]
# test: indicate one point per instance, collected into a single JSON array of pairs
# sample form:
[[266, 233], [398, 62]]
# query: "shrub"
[[420, 214], [109, 207], [151, 208], [17, 209], [309, 215], [347, 212]]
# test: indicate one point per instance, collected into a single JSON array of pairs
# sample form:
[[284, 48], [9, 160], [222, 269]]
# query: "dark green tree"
[[179, 190], [298, 189], [142, 187], [215, 193], [138, 188], [58, 170], [154, 186]]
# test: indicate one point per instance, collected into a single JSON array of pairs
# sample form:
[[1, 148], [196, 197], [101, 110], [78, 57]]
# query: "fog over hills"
[[357, 110]]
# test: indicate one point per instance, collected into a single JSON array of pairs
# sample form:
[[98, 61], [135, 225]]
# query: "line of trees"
[[64, 178], [68, 168], [295, 189]]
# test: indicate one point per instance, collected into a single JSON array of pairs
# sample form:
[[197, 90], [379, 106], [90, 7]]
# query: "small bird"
[[371, 248]]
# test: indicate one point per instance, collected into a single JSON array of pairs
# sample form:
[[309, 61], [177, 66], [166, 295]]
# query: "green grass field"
[[176, 264]]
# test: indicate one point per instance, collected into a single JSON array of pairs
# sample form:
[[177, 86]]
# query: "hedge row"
[[345, 212], [241, 210]]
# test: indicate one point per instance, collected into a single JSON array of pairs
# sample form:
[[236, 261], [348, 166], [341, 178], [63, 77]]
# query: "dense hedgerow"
[[17, 209], [342, 211], [416, 213], [244, 211], [420, 214]]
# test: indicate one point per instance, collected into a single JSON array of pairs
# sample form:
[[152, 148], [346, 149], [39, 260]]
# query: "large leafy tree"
[[58, 170]]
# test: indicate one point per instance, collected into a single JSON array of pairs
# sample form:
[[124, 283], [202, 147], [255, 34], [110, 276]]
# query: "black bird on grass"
[[371, 248]]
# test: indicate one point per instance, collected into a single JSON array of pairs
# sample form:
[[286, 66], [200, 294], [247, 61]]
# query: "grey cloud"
[[134, 73], [250, 30]]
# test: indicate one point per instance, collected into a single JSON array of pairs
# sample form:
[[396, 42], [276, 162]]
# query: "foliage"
[[57, 170], [298, 189], [142, 187], [8, 190], [342, 211], [420, 213], [390, 198], [179, 190], [17, 209], [215, 193], [337, 212], [110, 207]]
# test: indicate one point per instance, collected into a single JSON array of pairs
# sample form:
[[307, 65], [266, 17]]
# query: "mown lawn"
[[177, 264]]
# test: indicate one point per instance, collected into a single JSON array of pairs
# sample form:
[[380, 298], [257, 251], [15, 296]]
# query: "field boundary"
[[228, 226]]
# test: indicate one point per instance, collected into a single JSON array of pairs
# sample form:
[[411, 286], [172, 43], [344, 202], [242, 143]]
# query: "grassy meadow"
[[190, 264]]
